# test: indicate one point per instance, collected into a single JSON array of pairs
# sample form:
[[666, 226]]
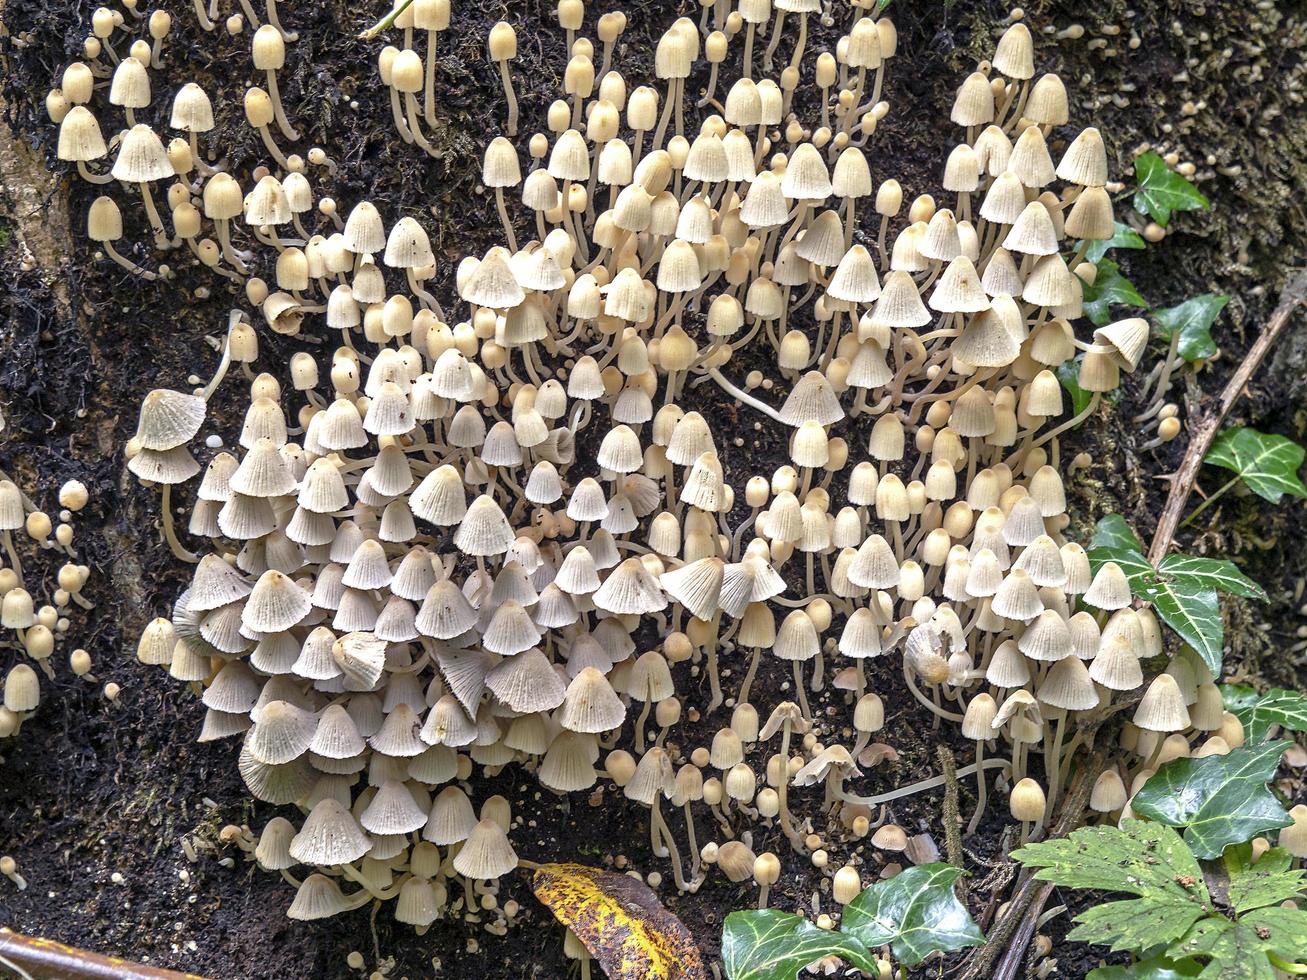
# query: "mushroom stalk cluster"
[[509, 532], [38, 558]]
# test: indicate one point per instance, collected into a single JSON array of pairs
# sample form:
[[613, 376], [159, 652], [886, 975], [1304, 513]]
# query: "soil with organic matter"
[[111, 808]]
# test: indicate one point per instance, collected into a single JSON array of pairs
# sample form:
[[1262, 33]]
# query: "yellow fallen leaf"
[[621, 922]]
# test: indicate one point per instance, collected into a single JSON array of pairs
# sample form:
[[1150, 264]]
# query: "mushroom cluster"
[[493, 537], [38, 560]]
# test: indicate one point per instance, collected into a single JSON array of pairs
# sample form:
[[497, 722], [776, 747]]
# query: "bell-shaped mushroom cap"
[[282, 733], [1110, 588], [329, 836], [812, 400], [168, 468], [500, 167], [651, 678], [1127, 338], [696, 585], [80, 139], [361, 657], [452, 818], [590, 704], [630, 589], [393, 811], [440, 497], [319, 897], [446, 612], [654, 777], [276, 604], [484, 530], [336, 737], [854, 279], [367, 567], [1017, 597], [1068, 685], [141, 157], [1047, 639], [861, 637], [1116, 666], [492, 283], [977, 723], [1108, 793], [527, 683], [797, 638], [192, 112], [215, 584], [1162, 708], [273, 849], [169, 419], [568, 765], [448, 724], [234, 690], [705, 487], [408, 246], [806, 177], [486, 853], [364, 232]]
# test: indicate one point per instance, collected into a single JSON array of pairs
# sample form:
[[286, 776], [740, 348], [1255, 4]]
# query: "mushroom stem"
[[692, 837], [787, 821], [14, 559], [763, 889], [503, 219], [85, 173], [745, 397], [799, 45], [169, 533], [775, 39], [934, 782], [657, 821], [982, 787], [161, 239], [510, 96], [272, 19], [278, 112], [749, 675], [803, 695], [275, 150], [916, 693], [127, 263], [202, 15], [250, 15], [1053, 766], [429, 85], [412, 113]]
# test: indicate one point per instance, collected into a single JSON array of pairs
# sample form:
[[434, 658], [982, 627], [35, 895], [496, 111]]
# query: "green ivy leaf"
[[1216, 573], [1109, 289], [1113, 532], [1219, 800], [1270, 881], [769, 944], [1259, 713], [1194, 612], [1267, 463], [1159, 190], [1123, 236], [1242, 950], [1193, 320], [1182, 592], [916, 913], [1068, 373], [1147, 860], [1154, 968]]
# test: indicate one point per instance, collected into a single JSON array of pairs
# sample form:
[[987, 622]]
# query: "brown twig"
[[1013, 930], [1203, 429], [46, 958], [952, 821]]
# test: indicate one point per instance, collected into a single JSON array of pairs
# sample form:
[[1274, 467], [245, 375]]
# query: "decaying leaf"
[[621, 922]]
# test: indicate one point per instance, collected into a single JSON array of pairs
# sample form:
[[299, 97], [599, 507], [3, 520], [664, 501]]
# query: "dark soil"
[[94, 788]]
